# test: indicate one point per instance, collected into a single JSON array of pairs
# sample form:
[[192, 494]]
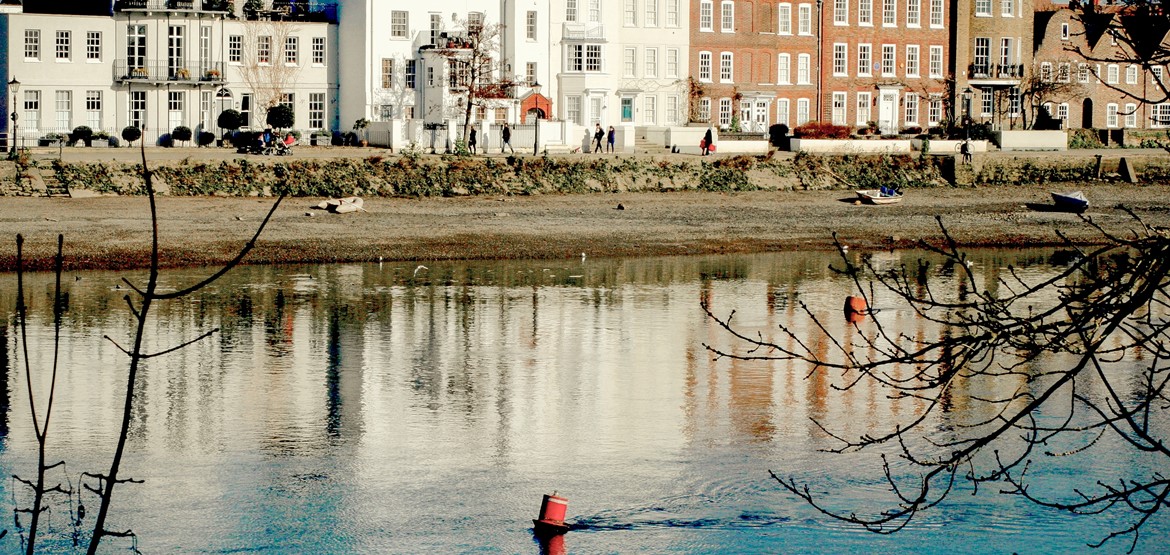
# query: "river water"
[[381, 408]]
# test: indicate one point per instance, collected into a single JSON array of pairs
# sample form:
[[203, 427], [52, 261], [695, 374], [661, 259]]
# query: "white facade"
[[159, 65], [396, 57], [621, 62]]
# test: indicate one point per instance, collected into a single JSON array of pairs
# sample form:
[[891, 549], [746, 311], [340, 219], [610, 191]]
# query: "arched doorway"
[[1087, 114]]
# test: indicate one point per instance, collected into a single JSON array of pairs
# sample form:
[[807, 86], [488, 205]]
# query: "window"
[[629, 64], [912, 60], [865, 12], [64, 110], [530, 72], [136, 46], [1156, 73], [650, 110], [399, 24], [913, 13], [204, 108], [175, 108], [93, 45], [1064, 31], [727, 17], [629, 13], [573, 109], [672, 110], [264, 49], [411, 74], [32, 44], [1131, 115], [32, 111], [530, 26], [840, 12], [982, 56], [704, 110], [571, 16], [724, 112], [672, 62], [840, 57], [385, 112], [431, 76], [802, 69], [1111, 115], [387, 73], [318, 51], [93, 109], [1112, 74], [804, 19], [594, 11], [864, 59], [1064, 72], [706, 16], [983, 8], [1005, 53], [475, 24], [889, 59], [839, 110], [782, 111], [934, 111], [1005, 8], [705, 66], [1083, 73], [235, 48], [889, 13], [1062, 113], [801, 111], [204, 46], [651, 65], [651, 13], [593, 57], [725, 63], [1131, 74], [864, 101], [936, 62], [316, 110], [988, 102], [292, 47], [245, 110], [176, 51], [436, 27], [64, 48], [910, 109], [784, 19], [936, 13], [782, 69], [672, 12]]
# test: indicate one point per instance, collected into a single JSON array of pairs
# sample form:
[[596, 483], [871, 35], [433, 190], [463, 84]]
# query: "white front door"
[[888, 112]]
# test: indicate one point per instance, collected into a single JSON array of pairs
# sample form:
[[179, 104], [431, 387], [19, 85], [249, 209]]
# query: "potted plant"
[[182, 74], [211, 75], [181, 133], [130, 134], [100, 139], [360, 125], [229, 120], [138, 73], [51, 139]]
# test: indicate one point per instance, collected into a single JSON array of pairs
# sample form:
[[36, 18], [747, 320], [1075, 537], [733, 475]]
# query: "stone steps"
[[53, 186]]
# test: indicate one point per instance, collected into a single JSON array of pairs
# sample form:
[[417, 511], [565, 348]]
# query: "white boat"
[[1074, 201], [341, 205], [883, 195]]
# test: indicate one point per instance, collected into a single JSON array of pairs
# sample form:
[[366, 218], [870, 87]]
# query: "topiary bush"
[[280, 117], [206, 138], [81, 133], [181, 133], [131, 133]]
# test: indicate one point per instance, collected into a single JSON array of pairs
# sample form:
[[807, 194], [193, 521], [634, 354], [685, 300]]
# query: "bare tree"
[[1074, 364], [265, 69], [471, 53], [1137, 32]]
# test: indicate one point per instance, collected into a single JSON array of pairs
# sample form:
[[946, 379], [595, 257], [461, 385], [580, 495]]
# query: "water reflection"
[[370, 408]]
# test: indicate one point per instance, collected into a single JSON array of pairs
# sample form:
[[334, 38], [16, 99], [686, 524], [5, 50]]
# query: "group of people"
[[600, 134], [505, 136]]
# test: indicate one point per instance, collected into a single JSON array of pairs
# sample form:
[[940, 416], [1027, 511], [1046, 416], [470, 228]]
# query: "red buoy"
[[855, 309], [552, 516]]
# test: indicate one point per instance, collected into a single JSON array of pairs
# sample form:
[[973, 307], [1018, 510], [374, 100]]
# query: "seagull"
[[582, 257], [420, 267]]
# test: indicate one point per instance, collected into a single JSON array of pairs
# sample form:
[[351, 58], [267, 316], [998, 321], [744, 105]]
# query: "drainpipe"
[[820, 57]]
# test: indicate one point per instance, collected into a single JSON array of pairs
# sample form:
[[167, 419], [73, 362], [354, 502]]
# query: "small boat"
[[883, 195], [1070, 202], [342, 205]]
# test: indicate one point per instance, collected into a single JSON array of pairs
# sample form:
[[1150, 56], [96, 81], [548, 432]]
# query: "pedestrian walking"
[[965, 150], [610, 140], [708, 143], [598, 135], [506, 135], [471, 140]]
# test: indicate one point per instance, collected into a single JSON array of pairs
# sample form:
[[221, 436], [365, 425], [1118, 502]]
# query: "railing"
[[996, 71], [581, 31], [293, 10], [154, 71], [223, 6]]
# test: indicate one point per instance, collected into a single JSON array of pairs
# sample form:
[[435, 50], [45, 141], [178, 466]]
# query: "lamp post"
[[536, 122], [13, 88], [967, 93]]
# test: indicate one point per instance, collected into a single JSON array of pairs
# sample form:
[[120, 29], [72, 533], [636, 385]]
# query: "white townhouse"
[[160, 64], [401, 59], [621, 62]]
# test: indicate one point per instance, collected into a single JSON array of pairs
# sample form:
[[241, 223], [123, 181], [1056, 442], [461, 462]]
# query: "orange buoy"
[[552, 516], [855, 309]]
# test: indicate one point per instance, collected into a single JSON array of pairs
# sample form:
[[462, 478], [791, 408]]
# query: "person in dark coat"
[[708, 140], [610, 139], [597, 137], [471, 140], [506, 135]]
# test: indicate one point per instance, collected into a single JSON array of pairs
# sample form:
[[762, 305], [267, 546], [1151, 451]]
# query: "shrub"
[[131, 133], [822, 130], [911, 130], [206, 138], [181, 133], [280, 117], [81, 133], [229, 119]]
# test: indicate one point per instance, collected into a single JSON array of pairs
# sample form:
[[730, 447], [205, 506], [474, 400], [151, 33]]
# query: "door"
[[888, 112], [762, 115], [627, 109], [1087, 114], [595, 109]]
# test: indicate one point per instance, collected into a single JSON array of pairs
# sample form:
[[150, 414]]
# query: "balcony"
[[293, 10], [1009, 73], [581, 31], [209, 6], [153, 71]]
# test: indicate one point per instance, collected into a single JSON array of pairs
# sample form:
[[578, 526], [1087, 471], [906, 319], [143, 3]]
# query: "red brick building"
[[753, 63], [885, 61]]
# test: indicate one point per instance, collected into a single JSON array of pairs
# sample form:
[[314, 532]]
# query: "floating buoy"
[[552, 516], [855, 309]]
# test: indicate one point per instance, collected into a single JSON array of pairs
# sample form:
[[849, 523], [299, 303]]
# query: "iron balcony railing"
[[292, 10], [223, 6], [153, 71], [996, 71]]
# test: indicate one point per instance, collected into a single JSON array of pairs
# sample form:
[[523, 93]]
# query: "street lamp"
[[13, 88], [536, 122], [967, 93]]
